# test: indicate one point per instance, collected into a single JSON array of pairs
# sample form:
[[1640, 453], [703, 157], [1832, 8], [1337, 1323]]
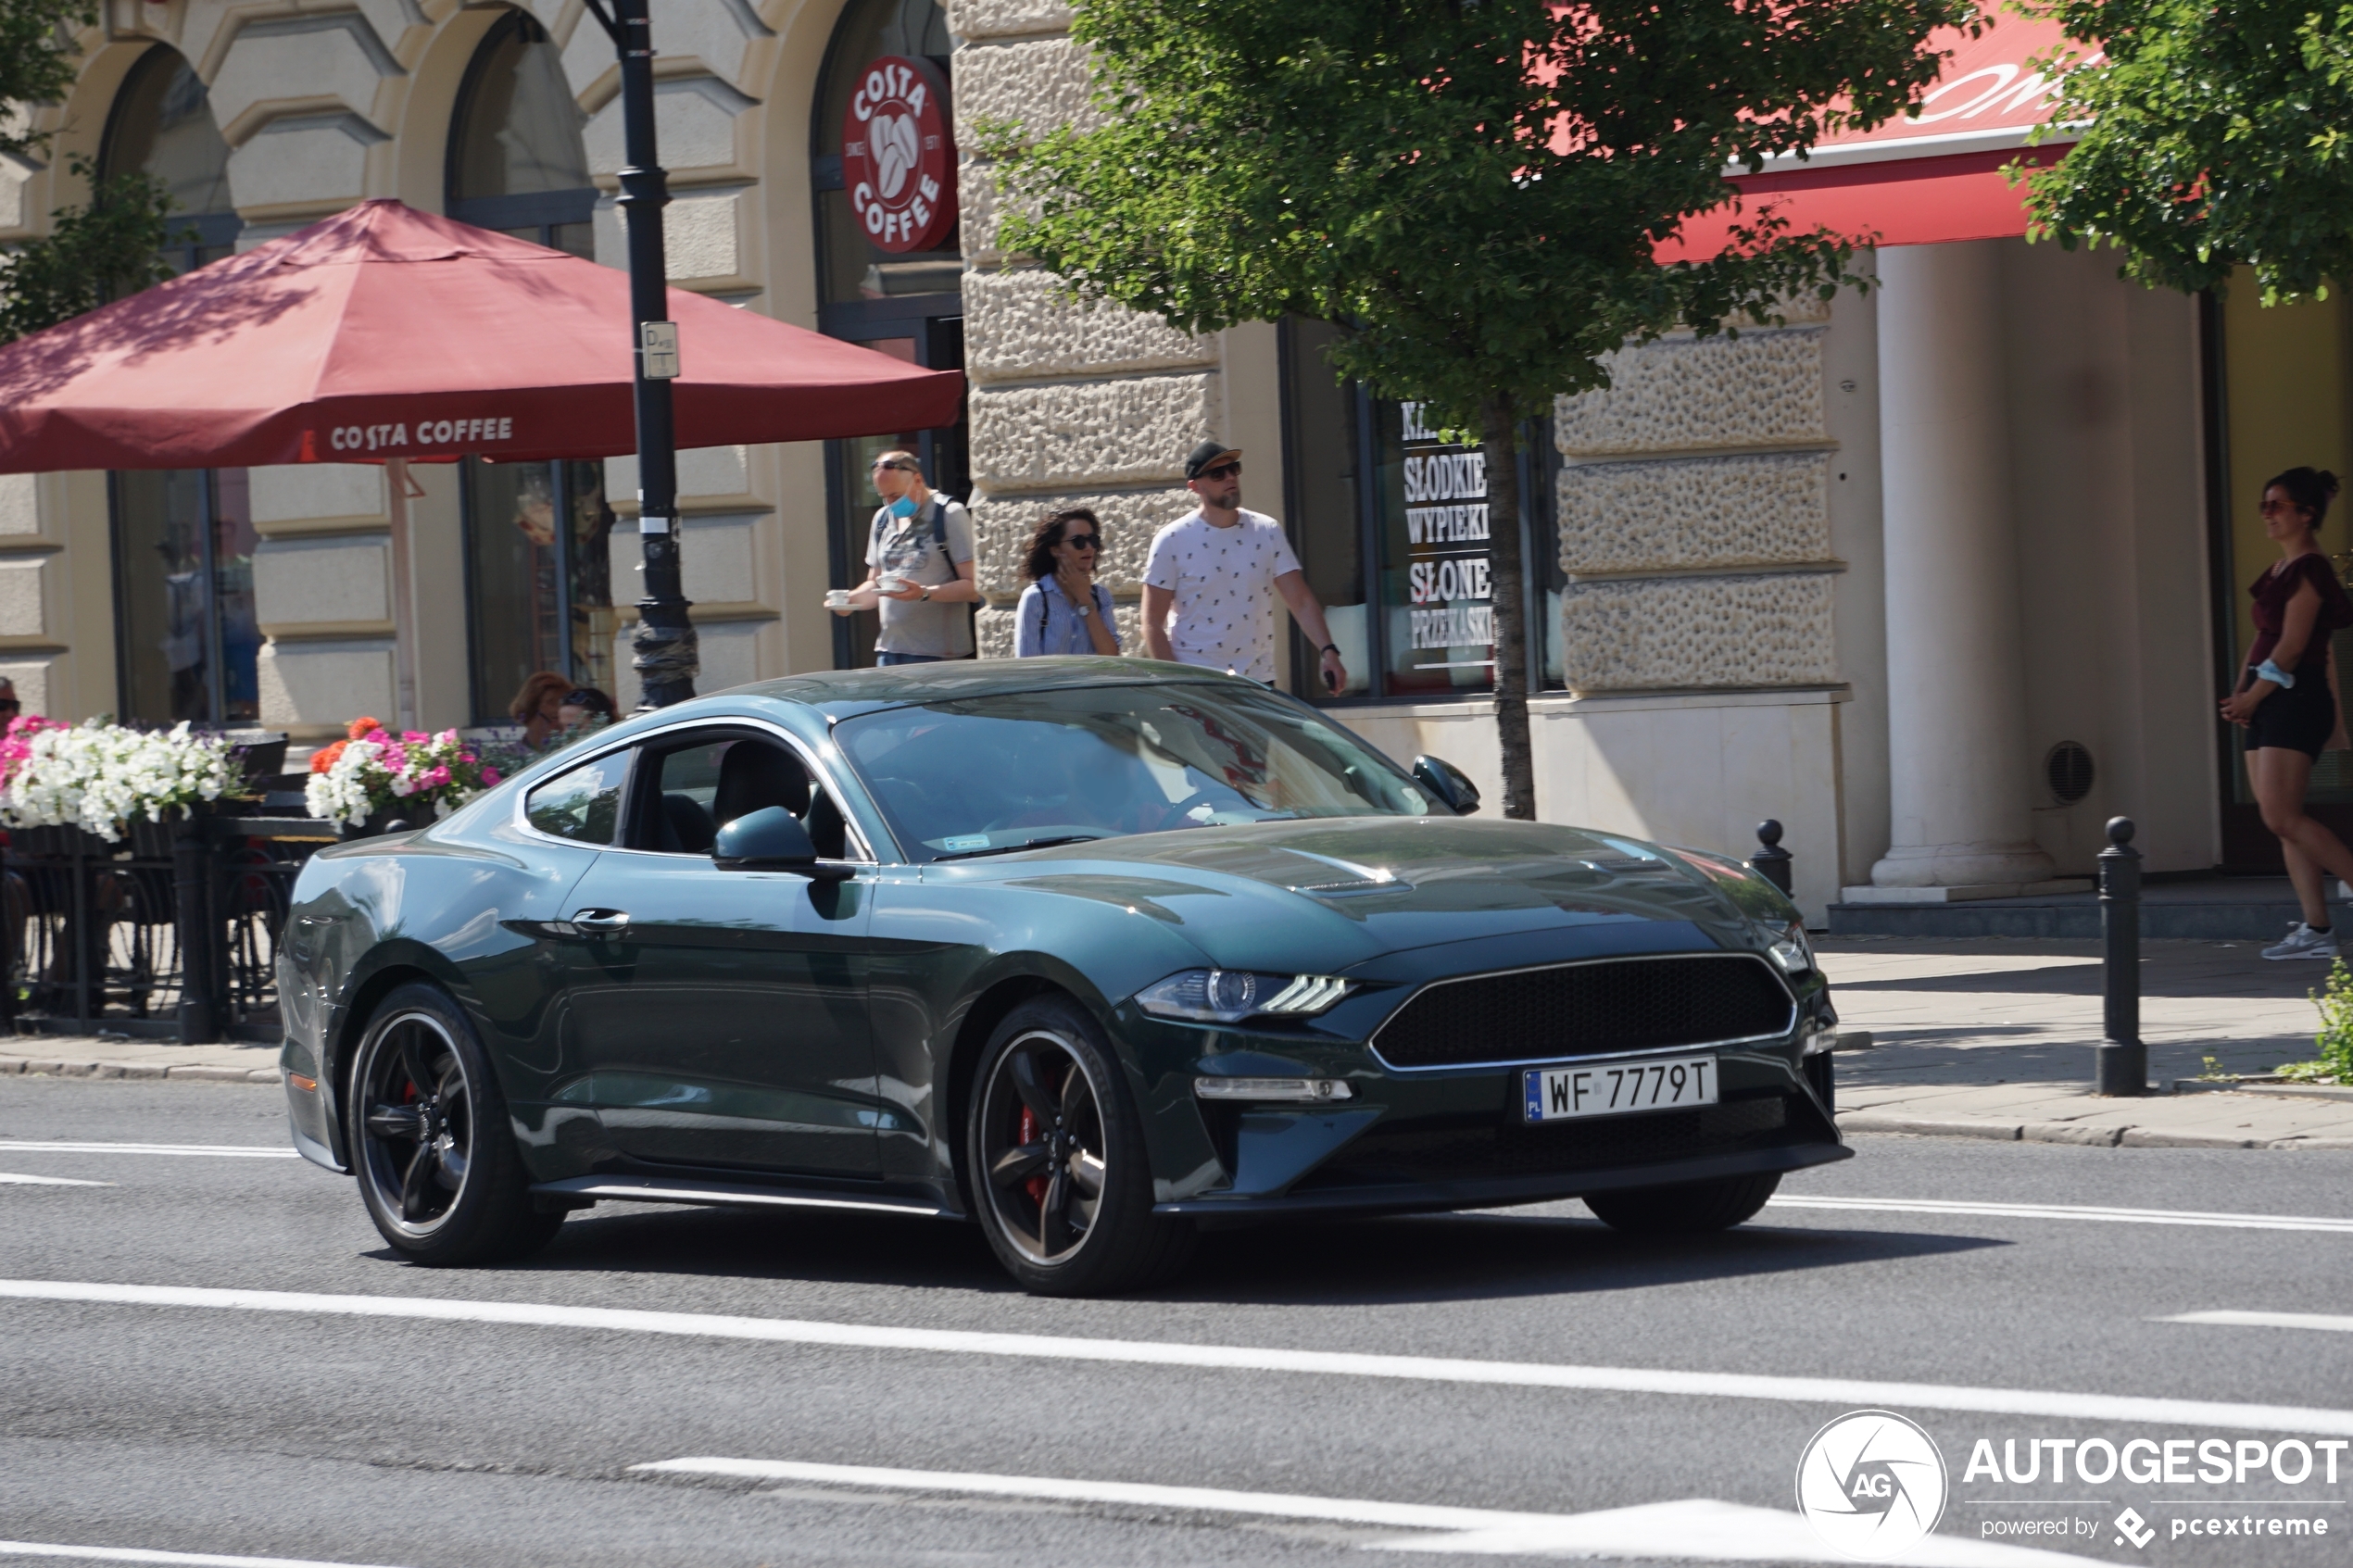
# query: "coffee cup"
[[836, 599]]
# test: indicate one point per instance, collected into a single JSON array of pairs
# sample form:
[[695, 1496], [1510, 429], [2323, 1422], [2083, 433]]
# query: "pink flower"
[[490, 775], [433, 778], [413, 737]]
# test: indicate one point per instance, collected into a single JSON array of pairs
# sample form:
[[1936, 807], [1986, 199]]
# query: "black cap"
[[1208, 454]]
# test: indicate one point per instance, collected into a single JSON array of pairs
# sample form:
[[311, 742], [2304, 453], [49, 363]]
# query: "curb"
[[2069, 1132], [36, 1067]]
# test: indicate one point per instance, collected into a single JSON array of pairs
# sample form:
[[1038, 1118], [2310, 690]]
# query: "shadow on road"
[[1424, 1257]]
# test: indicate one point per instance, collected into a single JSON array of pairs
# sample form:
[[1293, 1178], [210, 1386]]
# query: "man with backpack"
[[919, 569]]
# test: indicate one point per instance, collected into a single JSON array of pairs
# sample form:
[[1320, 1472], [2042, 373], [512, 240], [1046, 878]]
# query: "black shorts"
[[2301, 718]]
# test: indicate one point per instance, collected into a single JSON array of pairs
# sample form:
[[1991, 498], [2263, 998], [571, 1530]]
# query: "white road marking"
[[139, 1554], [1694, 1528], [1849, 1392], [2267, 1320], [10, 1178], [2065, 1211], [228, 1150]]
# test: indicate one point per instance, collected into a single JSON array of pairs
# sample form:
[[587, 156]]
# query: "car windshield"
[[983, 775]]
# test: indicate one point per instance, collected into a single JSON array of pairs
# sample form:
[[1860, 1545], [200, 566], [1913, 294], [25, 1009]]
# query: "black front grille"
[[1587, 1010], [1476, 1150]]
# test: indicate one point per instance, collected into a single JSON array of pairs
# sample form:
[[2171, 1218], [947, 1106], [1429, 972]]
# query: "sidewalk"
[[1993, 1038], [74, 1056], [1979, 1037]]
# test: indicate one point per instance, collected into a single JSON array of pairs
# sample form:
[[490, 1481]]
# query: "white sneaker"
[[2303, 942]]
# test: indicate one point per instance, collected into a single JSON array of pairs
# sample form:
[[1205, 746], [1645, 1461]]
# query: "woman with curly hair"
[[1064, 609]]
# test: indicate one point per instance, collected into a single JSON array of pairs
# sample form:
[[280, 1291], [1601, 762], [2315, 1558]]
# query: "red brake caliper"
[[1030, 1133]]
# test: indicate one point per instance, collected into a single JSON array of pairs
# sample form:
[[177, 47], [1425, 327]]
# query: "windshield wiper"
[[1026, 844]]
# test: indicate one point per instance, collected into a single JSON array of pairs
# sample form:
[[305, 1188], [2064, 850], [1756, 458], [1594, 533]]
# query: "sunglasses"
[[1223, 471], [902, 467], [1082, 541]]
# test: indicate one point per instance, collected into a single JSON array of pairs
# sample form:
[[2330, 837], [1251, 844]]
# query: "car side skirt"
[[1505, 1191], [723, 1194]]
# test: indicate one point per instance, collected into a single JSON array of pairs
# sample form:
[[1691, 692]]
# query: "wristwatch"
[[1084, 611], [1332, 648], [927, 594]]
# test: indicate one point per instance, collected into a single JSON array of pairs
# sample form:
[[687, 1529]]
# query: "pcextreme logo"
[[1872, 1485]]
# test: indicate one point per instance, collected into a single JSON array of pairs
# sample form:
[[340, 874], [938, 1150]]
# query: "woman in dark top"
[[2283, 699]]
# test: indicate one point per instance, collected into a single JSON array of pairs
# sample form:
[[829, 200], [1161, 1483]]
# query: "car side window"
[[693, 790], [583, 804]]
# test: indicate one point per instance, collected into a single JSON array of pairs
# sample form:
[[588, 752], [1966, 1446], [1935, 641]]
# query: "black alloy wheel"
[[438, 1166], [1688, 1209], [1057, 1163]]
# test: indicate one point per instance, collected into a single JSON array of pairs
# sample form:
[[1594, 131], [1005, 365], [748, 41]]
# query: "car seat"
[[753, 776]]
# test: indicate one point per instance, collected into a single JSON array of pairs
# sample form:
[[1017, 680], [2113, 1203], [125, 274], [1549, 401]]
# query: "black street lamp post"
[[665, 656]]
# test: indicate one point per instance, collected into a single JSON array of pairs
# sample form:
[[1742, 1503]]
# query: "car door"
[[719, 1015]]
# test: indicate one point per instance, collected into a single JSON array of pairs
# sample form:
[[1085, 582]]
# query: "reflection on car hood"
[[1399, 881]]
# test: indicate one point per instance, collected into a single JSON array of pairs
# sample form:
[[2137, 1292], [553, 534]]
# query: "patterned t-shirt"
[[1223, 580]]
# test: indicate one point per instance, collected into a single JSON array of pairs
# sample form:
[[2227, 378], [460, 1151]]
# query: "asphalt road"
[[338, 1431]]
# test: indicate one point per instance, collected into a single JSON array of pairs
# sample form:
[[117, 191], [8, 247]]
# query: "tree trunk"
[[1499, 441]]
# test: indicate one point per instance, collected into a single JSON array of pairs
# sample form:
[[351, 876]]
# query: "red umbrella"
[[387, 333]]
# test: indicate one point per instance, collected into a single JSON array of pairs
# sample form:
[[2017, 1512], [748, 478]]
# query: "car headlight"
[[1792, 951], [1229, 996]]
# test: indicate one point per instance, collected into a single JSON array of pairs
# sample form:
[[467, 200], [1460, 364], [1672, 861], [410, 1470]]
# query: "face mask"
[[903, 507]]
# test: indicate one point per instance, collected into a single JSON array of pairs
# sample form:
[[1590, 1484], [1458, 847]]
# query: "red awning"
[[1925, 181], [384, 333]]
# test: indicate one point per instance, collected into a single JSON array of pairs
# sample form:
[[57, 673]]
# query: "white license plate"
[[1563, 1093]]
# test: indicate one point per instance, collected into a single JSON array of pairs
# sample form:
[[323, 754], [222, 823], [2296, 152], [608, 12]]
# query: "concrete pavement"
[[78, 1056], [1991, 1037]]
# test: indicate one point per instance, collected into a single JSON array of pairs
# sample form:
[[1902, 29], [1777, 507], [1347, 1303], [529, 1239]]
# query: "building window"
[[1390, 519], [539, 536], [188, 644], [162, 124], [538, 579], [517, 161], [906, 304], [188, 641]]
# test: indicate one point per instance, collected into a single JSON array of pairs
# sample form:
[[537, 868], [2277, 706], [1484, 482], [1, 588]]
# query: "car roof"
[[839, 694]]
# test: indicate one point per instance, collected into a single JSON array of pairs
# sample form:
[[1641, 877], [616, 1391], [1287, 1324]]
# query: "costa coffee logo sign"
[[897, 158]]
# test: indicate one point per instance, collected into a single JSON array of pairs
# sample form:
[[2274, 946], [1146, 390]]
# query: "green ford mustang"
[[1087, 950]]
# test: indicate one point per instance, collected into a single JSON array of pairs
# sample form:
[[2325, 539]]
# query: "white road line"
[[2065, 1212], [1690, 1529], [2266, 1320], [226, 1150], [10, 1178], [1851, 1393], [138, 1554]]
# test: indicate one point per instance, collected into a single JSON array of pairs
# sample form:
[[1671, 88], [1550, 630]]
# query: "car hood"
[[1350, 888]]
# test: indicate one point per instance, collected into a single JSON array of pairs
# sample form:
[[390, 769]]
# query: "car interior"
[[698, 788]]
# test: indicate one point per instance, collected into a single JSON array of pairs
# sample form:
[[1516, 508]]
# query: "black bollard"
[[198, 938], [2123, 1061], [1771, 861]]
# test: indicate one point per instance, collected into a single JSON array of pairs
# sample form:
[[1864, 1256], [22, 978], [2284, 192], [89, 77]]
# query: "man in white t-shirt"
[[1211, 581]]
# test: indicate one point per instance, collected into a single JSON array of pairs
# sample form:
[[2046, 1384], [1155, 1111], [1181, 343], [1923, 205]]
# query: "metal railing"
[[171, 932]]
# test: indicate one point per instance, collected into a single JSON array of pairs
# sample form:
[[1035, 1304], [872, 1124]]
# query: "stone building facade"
[[1873, 571]]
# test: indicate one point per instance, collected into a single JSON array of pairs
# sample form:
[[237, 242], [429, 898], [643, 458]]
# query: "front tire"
[[1691, 1209], [1055, 1151], [437, 1164]]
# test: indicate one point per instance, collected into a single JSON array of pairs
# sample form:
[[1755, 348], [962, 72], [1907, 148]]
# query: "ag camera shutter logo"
[[1872, 1485]]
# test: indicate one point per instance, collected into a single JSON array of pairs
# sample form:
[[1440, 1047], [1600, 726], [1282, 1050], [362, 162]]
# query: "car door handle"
[[601, 922]]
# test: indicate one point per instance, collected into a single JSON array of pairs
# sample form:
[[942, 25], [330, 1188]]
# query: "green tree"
[[37, 63], [1470, 189], [92, 253], [2220, 136]]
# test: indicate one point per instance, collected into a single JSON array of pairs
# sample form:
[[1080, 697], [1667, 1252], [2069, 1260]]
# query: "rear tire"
[[431, 1142], [1055, 1159], [1689, 1210]]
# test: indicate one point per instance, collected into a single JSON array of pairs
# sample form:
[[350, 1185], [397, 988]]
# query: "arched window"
[[187, 639], [906, 304], [538, 545], [162, 124], [517, 163]]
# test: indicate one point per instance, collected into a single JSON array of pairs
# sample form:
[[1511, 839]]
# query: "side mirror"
[[772, 839], [1448, 783]]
